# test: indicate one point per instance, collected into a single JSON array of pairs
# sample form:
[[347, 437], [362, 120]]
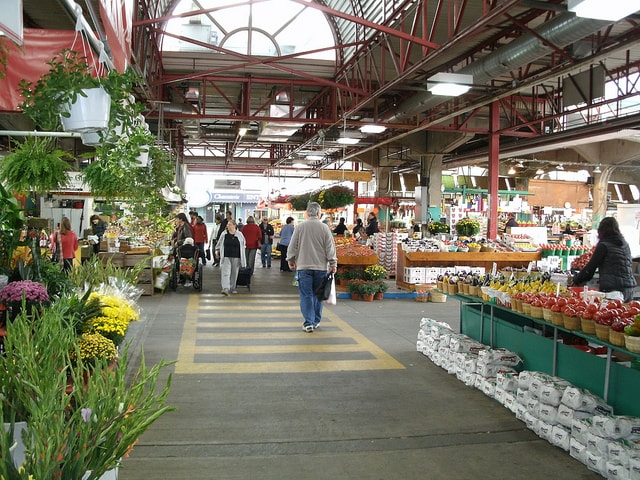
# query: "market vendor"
[[612, 259]]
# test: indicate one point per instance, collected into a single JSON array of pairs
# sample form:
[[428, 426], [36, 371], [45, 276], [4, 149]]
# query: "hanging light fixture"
[[512, 171], [449, 84], [520, 164], [612, 10], [597, 169], [540, 171], [559, 167]]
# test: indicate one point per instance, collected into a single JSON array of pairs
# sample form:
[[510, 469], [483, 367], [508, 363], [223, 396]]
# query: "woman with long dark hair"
[[612, 259]]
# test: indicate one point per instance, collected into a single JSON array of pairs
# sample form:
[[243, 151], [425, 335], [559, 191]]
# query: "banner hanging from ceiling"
[[29, 61]]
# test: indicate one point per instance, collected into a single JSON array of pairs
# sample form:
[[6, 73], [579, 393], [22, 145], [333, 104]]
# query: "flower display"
[[94, 347], [467, 226], [33, 292], [116, 315], [375, 272], [437, 227]]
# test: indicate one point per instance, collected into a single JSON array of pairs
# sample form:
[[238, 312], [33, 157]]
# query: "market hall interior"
[[257, 396]]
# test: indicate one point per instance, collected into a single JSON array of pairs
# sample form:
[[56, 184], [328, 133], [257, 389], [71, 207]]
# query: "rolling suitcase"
[[244, 278]]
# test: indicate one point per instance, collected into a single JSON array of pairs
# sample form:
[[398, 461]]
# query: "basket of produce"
[[616, 338], [438, 297], [602, 332], [557, 319], [588, 326], [422, 297], [571, 323], [632, 343]]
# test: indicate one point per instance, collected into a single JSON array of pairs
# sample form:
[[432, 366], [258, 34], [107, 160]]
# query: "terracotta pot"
[[378, 296], [367, 297], [355, 296]]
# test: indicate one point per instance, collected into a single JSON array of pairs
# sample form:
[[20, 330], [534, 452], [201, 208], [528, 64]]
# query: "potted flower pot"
[[89, 113]]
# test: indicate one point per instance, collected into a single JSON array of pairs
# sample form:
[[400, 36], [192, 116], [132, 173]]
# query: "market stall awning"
[[374, 200]]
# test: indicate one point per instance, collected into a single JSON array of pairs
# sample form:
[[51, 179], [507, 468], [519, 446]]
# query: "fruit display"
[[581, 262], [354, 250]]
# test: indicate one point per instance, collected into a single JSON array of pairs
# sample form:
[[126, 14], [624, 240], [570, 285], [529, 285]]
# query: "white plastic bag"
[[332, 295]]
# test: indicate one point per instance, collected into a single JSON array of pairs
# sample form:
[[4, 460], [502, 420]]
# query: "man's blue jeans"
[[265, 254], [310, 306]]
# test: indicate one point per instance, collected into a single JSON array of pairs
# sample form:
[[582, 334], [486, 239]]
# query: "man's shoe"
[[268, 266], [225, 292], [264, 266], [187, 284], [307, 328], [316, 326], [234, 291]]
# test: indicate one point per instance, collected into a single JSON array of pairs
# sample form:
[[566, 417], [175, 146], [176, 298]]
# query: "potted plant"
[[467, 227], [24, 295], [368, 289], [355, 288], [435, 228], [381, 288], [70, 78], [375, 272], [35, 165]]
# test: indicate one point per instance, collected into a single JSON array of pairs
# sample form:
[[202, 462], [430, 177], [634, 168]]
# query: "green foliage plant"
[[35, 165], [94, 272], [11, 223], [80, 417]]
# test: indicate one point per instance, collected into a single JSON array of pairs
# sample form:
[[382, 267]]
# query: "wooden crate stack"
[[145, 279]]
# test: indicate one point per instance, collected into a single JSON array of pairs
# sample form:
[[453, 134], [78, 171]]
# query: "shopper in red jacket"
[[253, 237], [200, 237], [66, 241]]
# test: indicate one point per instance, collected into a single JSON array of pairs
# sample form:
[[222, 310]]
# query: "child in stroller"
[[187, 266]]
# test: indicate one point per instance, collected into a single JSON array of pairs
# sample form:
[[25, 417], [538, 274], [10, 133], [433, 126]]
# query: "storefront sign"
[[374, 200], [234, 197]]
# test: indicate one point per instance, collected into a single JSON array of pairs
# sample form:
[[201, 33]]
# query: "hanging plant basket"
[[89, 112]]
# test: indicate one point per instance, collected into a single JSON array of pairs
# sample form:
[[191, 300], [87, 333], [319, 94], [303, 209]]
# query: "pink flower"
[[33, 292]]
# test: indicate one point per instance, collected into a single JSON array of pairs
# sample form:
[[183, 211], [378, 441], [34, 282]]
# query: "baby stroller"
[[187, 267]]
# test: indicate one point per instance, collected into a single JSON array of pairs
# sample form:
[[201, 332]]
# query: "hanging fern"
[[36, 165]]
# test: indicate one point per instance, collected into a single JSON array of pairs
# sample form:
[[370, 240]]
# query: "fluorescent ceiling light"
[[449, 84], [299, 165], [512, 171], [372, 128], [613, 10], [314, 158], [348, 140], [242, 131]]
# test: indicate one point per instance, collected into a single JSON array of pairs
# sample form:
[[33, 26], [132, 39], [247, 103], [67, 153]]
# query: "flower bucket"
[[18, 448], [88, 114]]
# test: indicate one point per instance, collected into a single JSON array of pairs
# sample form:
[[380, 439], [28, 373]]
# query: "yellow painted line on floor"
[[332, 327], [280, 349]]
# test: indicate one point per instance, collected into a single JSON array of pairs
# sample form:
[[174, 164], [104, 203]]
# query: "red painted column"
[[494, 167]]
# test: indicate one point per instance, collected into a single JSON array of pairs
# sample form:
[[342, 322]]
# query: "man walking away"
[[312, 253]]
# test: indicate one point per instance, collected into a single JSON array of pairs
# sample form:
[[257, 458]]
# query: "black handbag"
[[208, 254], [324, 289]]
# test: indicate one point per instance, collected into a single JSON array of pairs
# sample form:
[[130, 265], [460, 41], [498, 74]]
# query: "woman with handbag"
[[283, 245]]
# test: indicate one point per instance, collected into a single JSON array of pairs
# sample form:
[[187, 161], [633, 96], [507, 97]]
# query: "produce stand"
[[536, 341], [451, 259]]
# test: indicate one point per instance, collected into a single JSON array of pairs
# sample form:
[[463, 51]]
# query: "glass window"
[[270, 28]]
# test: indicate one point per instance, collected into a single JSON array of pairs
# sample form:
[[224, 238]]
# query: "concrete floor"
[[257, 397]]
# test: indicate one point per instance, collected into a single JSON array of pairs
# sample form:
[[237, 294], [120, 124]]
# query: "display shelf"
[[451, 259], [358, 260], [537, 342]]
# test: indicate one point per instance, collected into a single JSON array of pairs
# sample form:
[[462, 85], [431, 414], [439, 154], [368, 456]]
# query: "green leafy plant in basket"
[[467, 227]]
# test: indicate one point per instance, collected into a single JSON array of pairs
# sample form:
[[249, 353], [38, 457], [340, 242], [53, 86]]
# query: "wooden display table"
[[358, 260], [451, 259]]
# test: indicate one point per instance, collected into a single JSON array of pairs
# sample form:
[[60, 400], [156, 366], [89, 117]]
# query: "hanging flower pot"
[[143, 158], [89, 112]]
